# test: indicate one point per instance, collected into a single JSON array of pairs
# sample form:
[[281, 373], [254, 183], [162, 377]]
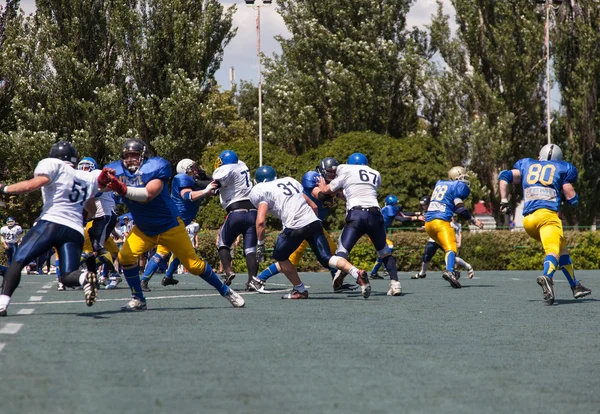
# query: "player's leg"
[[174, 263], [444, 235], [229, 231], [177, 240], [534, 226], [250, 241], [135, 244], [35, 242], [69, 250], [154, 262], [430, 250], [375, 229], [274, 268], [287, 242]]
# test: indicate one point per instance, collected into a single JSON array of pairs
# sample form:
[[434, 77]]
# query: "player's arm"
[[139, 194], [462, 211], [26, 186], [191, 195], [459, 240], [505, 178], [570, 194], [261, 222], [311, 203], [90, 208], [324, 187]]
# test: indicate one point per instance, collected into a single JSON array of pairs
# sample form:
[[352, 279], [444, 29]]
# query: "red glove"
[[104, 178], [117, 186]]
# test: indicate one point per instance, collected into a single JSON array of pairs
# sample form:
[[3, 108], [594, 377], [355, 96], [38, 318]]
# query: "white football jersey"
[[66, 193], [105, 203], [192, 229], [285, 200], [235, 181], [360, 184], [11, 235]]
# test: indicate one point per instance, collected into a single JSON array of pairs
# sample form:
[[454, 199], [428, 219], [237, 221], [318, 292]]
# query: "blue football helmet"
[[391, 200], [265, 174], [310, 180], [87, 164], [358, 159], [226, 157], [10, 221]]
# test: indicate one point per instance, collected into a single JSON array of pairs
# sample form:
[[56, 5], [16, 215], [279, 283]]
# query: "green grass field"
[[491, 347]]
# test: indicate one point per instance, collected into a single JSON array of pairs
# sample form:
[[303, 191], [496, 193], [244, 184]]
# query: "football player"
[[99, 228], [189, 187], [324, 202], [432, 247], [285, 200], [391, 211], [142, 181], [10, 234], [543, 180], [360, 184], [66, 192], [235, 183], [447, 198]]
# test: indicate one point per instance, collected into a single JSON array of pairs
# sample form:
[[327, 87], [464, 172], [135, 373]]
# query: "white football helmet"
[[550, 152], [459, 174], [185, 166]]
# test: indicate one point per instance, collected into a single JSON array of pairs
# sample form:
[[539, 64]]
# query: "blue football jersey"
[[159, 214], [442, 199], [389, 214], [187, 208], [542, 182], [309, 182]]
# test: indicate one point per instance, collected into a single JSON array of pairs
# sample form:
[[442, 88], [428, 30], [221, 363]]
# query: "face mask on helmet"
[[226, 157], [87, 164], [133, 154], [459, 174], [10, 222], [328, 168]]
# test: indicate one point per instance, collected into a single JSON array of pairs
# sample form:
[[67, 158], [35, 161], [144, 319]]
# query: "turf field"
[[491, 347]]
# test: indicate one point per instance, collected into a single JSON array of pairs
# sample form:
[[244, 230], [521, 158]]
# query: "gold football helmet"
[[459, 174]]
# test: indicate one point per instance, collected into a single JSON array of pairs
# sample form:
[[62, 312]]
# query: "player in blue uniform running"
[[543, 180], [188, 189], [391, 211], [142, 182], [447, 198], [324, 202]]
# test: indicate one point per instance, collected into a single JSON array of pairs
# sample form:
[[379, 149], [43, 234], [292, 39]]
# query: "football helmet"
[[550, 152], [358, 159], [187, 166], [328, 168], [310, 179], [391, 200], [424, 202], [133, 154], [264, 174], [10, 221], [459, 174], [226, 157], [87, 164], [64, 151]]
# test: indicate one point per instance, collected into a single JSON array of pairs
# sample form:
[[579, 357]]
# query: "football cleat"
[[346, 287], [374, 276], [60, 287], [363, 282], [135, 304], [395, 288], [90, 288], [102, 280], [294, 294], [257, 285], [229, 278], [166, 281], [451, 278], [471, 273], [145, 287], [338, 280], [235, 299], [419, 275], [457, 274], [115, 279], [3, 310], [579, 291], [547, 288]]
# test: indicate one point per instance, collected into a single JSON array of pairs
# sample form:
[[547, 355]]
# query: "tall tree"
[[349, 65]]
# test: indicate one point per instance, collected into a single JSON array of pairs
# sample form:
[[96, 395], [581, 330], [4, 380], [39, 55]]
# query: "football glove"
[[117, 186], [505, 208], [104, 178]]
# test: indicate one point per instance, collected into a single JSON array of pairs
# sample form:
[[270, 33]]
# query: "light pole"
[[257, 7], [547, 40]]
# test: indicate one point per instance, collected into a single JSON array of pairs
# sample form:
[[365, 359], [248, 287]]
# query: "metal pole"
[[260, 151], [548, 120]]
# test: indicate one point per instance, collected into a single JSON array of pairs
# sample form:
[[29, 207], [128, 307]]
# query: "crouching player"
[[142, 182], [285, 200], [66, 193]]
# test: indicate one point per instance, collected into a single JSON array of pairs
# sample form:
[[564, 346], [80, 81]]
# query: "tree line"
[[351, 76]]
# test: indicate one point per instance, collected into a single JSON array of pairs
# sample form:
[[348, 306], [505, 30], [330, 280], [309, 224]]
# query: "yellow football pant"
[[442, 232], [544, 226], [176, 240], [299, 252]]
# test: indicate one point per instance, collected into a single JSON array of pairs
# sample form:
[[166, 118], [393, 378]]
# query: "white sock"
[[300, 288], [462, 263], [423, 268], [4, 301], [354, 272], [82, 278]]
